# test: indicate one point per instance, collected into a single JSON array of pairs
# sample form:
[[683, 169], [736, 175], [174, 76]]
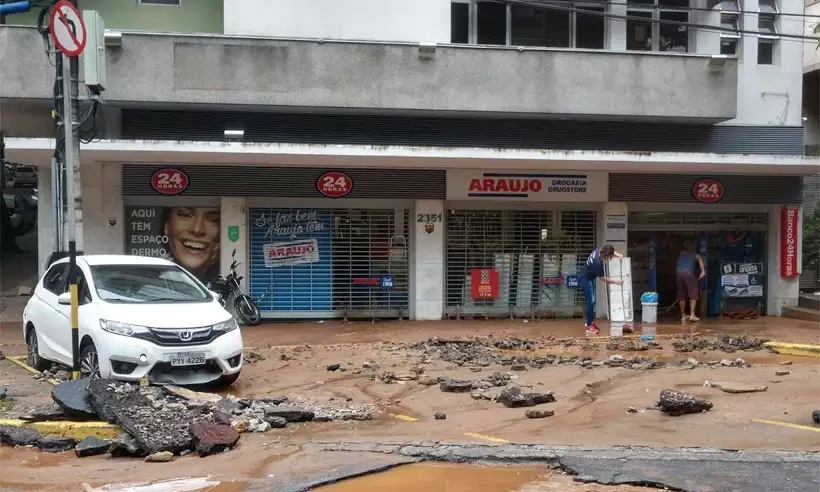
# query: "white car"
[[138, 317]]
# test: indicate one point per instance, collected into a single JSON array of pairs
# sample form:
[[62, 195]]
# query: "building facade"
[[433, 158]]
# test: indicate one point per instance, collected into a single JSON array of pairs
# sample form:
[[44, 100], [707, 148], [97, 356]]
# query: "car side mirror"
[[64, 299]]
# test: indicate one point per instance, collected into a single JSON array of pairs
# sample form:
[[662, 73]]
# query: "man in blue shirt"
[[594, 269]]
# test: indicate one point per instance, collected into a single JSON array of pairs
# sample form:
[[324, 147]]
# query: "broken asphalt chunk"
[[55, 444], [456, 386], [92, 446], [18, 436], [514, 397], [72, 398], [213, 438], [161, 457], [730, 387], [291, 414], [678, 403], [125, 446]]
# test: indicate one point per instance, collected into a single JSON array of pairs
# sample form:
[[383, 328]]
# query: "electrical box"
[[93, 57]]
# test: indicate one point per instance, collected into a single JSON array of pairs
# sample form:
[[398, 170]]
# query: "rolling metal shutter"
[[639, 187], [534, 253], [322, 263], [256, 181]]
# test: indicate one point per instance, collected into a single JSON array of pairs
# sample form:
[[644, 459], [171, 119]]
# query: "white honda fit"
[[138, 317]]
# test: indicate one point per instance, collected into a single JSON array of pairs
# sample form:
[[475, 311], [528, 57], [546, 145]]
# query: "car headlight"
[[226, 326], [122, 328]]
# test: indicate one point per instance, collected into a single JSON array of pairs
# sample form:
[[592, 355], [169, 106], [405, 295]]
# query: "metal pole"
[[56, 205], [71, 154]]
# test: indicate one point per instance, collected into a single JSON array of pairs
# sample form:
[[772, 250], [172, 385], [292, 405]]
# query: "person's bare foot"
[[683, 320], [694, 318]]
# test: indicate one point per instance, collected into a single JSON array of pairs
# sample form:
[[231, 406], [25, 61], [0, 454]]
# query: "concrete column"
[[616, 28], [44, 226], [781, 292], [103, 223], [427, 262], [611, 215], [233, 216]]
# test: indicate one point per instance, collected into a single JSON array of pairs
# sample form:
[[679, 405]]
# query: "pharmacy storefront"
[[744, 227], [515, 241], [313, 243]]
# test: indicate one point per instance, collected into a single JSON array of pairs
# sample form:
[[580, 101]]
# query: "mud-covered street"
[[462, 388]]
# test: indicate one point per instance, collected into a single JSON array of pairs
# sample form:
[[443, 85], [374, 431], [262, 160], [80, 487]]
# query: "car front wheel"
[[89, 362], [33, 352]]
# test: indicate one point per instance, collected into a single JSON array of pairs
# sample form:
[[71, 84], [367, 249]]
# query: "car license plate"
[[188, 359]]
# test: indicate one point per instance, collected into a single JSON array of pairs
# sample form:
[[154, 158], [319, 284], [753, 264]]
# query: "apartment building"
[[437, 158]]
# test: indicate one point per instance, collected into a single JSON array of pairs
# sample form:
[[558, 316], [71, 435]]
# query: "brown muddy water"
[[443, 478]]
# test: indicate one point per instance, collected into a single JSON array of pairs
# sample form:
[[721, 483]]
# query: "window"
[[664, 29], [534, 26], [767, 29], [730, 33], [175, 3], [146, 283], [492, 23], [54, 279], [460, 23], [500, 23]]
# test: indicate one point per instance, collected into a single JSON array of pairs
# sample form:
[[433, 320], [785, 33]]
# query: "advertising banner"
[[484, 283], [789, 239], [188, 236]]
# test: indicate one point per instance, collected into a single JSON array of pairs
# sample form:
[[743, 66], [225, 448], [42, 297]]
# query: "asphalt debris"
[[440, 416], [210, 438], [815, 415], [730, 387], [515, 397], [92, 446], [538, 414], [55, 444], [725, 343], [160, 457], [18, 436], [72, 398], [676, 403]]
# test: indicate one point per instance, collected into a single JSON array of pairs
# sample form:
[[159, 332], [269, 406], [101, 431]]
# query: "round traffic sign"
[[67, 29]]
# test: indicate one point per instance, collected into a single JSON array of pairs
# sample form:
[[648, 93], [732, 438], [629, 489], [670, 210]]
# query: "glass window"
[[460, 23], [146, 283], [729, 23], [766, 25], [534, 26], [590, 29], [674, 37], [639, 32], [767, 7], [54, 279], [681, 4], [728, 46], [728, 6], [765, 52], [492, 23]]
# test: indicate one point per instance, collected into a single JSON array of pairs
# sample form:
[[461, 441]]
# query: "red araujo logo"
[[522, 185]]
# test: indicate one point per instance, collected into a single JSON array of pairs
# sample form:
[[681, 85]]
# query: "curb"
[[796, 349], [64, 428], [75, 430]]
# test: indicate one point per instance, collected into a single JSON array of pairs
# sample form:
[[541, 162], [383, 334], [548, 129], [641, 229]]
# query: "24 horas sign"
[[466, 184]]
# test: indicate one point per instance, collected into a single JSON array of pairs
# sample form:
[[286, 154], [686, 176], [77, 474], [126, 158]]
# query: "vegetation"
[[811, 240]]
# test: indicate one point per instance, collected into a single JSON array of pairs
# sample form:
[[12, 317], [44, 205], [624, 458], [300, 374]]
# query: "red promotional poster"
[[484, 283], [789, 238]]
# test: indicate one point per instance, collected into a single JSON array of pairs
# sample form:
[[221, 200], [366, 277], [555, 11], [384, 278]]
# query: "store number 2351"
[[428, 218]]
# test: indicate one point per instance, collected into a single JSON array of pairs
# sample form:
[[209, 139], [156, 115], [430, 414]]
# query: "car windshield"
[[146, 283]]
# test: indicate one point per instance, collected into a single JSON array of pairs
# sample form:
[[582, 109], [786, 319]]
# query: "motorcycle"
[[225, 287]]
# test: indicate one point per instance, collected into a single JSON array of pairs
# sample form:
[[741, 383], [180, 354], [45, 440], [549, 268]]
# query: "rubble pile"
[[56, 372], [162, 421], [724, 343]]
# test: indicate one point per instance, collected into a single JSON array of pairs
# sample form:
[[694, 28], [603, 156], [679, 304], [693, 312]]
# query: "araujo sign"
[[551, 186]]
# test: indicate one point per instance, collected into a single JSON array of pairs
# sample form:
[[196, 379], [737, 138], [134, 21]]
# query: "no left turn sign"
[[67, 28]]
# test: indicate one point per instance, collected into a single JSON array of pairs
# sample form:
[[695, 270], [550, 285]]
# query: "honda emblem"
[[185, 335]]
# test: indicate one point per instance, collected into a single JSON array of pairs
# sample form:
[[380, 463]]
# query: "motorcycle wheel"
[[247, 310]]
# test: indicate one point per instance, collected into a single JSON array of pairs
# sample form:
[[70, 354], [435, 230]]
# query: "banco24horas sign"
[[587, 186]]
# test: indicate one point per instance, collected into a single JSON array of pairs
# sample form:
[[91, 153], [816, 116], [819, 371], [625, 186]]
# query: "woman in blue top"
[[594, 269]]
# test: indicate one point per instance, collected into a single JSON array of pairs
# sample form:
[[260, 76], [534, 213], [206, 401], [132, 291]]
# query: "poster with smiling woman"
[[188, 236]]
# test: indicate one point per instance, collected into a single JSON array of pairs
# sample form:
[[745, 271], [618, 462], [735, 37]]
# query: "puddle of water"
[[442, 478]]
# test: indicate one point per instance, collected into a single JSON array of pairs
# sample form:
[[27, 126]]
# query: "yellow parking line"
[[20, 361], [787, 424], [76, 430], [795, 349], [486, 438], [406, 418]]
